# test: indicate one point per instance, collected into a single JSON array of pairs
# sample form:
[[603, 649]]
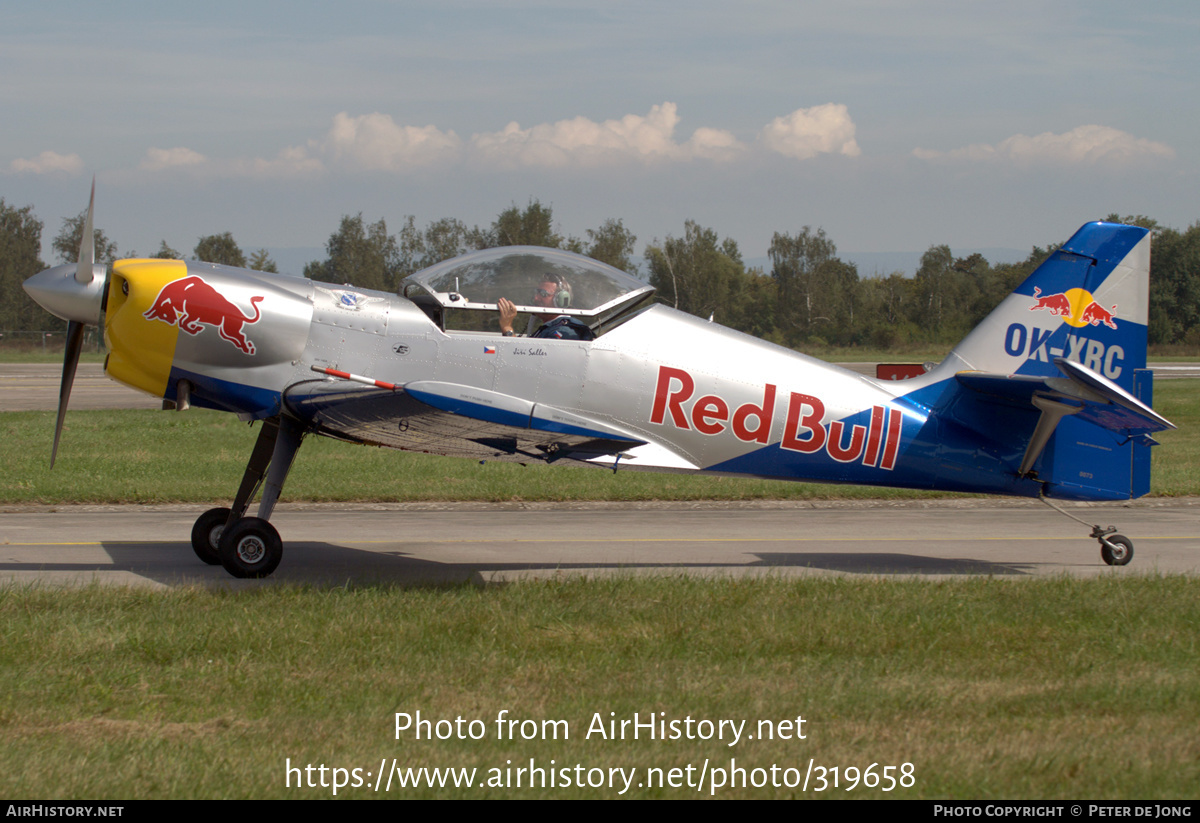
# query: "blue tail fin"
[[1088, 302]]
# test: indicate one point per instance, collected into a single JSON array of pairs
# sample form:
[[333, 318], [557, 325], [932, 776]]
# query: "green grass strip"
[[1049, 688]]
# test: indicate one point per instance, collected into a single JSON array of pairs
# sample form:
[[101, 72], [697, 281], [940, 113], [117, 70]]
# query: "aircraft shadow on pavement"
[[328, 563]]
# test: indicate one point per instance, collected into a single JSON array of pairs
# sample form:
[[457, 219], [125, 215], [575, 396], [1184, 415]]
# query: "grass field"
[[1050, 688]]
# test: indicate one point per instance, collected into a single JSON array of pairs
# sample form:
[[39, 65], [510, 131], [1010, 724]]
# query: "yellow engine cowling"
[[140, 351]]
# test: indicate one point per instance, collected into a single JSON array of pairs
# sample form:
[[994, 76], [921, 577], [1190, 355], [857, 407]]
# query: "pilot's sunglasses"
[[543, 293]]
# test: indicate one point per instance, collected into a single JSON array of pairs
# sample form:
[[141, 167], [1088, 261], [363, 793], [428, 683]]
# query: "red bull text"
[[876, 444]]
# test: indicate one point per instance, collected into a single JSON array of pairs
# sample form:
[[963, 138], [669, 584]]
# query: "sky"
[[892, 125]]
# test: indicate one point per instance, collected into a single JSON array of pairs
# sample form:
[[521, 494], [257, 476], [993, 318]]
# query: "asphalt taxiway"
[[440, 543]]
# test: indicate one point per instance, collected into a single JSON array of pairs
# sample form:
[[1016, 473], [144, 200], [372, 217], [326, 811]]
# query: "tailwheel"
[[206, 535], [250, 548], [1116, 549]]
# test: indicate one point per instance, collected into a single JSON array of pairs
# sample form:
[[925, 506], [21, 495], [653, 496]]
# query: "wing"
[[451, 419]]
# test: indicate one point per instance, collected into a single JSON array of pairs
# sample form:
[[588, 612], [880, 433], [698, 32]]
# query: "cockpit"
[[463, 294]]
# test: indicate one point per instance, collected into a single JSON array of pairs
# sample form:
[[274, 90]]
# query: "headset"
[[562, 297]]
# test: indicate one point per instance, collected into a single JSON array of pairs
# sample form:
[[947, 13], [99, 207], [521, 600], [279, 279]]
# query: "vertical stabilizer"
[[1088, 302]]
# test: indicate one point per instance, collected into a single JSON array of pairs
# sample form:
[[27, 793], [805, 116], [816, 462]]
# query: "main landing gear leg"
[[1115, 549], [250, 546]]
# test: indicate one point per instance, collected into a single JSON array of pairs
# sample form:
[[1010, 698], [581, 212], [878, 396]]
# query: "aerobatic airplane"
[[1048, 398]]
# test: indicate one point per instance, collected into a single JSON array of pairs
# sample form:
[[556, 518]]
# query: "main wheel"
[[1121, 554], [251, 548], [206, 535]]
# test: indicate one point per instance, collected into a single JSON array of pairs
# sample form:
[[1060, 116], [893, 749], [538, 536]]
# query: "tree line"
[[808, 299], [366, 255]]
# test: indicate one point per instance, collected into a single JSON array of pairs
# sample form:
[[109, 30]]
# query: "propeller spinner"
[[74, 292]]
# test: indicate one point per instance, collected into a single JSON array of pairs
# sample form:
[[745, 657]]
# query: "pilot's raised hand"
[[508, 313]]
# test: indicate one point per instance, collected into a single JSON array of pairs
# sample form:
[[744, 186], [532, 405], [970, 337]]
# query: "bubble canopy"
[[478, 281]]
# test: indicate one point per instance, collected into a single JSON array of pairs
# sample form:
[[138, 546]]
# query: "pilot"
[[552, 293]]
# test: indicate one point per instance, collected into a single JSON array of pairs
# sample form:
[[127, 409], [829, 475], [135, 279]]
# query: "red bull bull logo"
[[1095, 314], [191, 302], [1076, 307]]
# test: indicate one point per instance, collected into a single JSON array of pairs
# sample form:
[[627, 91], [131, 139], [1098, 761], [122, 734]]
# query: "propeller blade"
[[70, 363], [87, 243]]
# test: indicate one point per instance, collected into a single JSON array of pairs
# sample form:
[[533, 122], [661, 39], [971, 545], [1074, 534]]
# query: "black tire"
[[1123, 553], [206, 535], [251, 548]]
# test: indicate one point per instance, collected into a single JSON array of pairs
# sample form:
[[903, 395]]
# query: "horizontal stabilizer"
[[1099, 400]]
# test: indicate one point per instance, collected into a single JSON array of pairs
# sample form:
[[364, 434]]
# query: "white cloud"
[[376, 142], [48, 162], [1085, 145], [805, 133], [581, 141], [159, 159], [713, 144]]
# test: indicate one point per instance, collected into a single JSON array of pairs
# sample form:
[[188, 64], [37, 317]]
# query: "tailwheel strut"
[[1115, 549]]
